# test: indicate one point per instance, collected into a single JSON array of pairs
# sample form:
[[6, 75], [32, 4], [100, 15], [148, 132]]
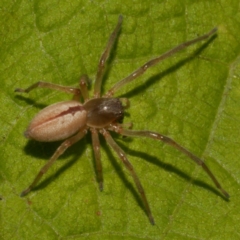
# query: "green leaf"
[[193, 97]]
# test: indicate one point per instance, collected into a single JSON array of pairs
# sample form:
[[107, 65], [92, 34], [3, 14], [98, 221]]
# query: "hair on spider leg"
[[71, 120]]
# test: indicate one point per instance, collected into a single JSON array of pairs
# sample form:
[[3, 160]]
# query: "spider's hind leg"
[[157, 136], [61, 149], [130, 168]]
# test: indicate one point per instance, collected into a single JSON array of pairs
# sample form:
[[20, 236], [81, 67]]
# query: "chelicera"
[[71, 120]]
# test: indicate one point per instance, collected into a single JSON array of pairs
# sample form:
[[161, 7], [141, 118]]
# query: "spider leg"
[[130, 168], [97, 154], [83, 87], [117, 128], [60, 150], [155, 61], [75, 91], [104, 57]]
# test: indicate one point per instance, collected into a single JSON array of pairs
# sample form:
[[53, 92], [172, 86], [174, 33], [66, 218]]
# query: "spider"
[[71, 120]]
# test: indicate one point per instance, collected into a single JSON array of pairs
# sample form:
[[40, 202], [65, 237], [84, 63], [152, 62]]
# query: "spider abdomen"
[[57, 122], [103, 111]]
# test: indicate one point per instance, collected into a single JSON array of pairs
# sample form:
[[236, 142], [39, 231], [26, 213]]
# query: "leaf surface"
[[193, 97]]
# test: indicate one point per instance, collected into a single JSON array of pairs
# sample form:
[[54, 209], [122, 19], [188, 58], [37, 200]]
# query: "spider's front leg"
[[104, 57], [155, 61], [157, 136]]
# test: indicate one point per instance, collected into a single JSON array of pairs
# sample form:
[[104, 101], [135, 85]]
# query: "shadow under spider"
[[77, 152], [168, 167], [31, 102], [44, 150]]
